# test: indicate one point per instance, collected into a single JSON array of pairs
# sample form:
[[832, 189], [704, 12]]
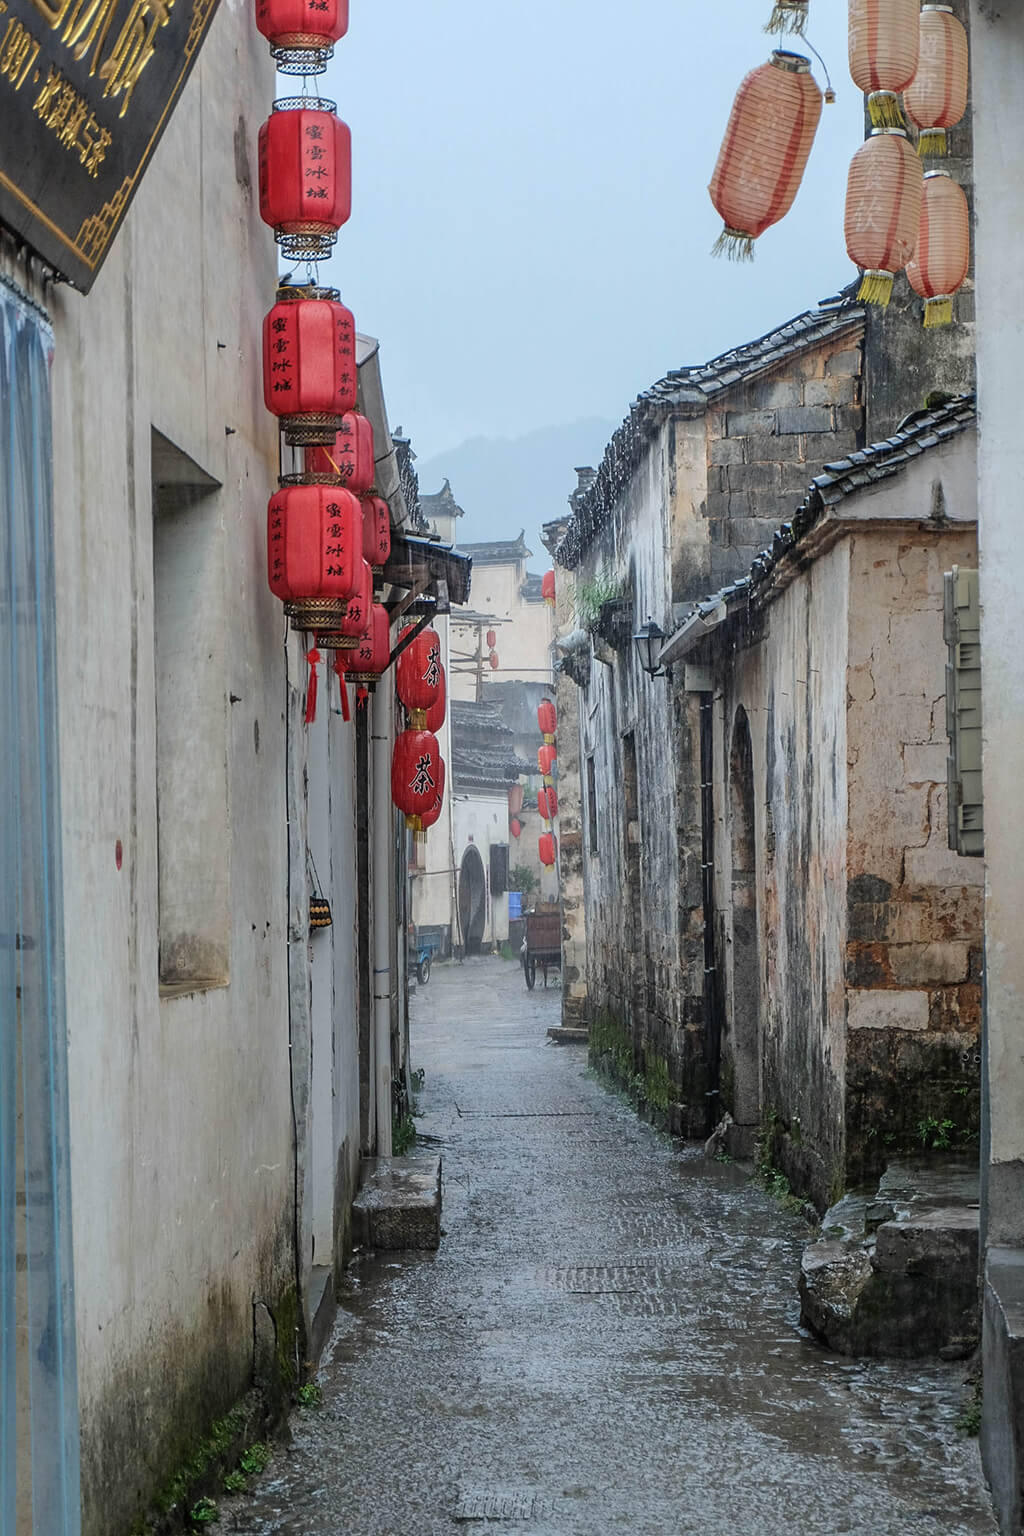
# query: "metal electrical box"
[[962, 632]]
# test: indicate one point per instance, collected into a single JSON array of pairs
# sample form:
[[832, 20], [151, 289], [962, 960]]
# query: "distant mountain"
[[504, 484]]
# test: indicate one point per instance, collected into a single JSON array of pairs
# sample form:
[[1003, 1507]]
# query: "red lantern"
[[309, 363], [883, 210], [547, 588], [349, 460], [492, 639], [936, 98], [515, 827], [943, 247], [305, 169], [371, 656], [542, 804], [313, 552], [349, 629], [302, 33], [546, 759], [548, 846], [763, 155], [515, 799], [552, 794], [376, 532], [884, 50], [437, 710], [415, 775], [418, 674], [493, 659], [547, 720], [428, 818]]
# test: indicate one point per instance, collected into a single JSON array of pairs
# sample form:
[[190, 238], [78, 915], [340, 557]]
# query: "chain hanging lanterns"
[[547, 588], [309, 363], [418, 675], [943, 252], [552, 794], [542, 804], [883, 210], [764, 153], [788, 16], [305, 171], [376, 532], [547, 720], [415, 775], [548, 849], [369, 659], [546, 757], [936, 98], [313, 552], [349, 459], [884, 47], [302, 33], [348, 628]]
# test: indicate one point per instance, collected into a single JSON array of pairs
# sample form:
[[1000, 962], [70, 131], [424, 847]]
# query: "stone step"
[[568, 1036], [399, 1203]]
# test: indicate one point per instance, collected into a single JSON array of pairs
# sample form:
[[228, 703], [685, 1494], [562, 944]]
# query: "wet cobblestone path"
[[606, 1341]]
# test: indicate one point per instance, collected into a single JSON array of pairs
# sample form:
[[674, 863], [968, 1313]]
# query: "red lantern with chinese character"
[[349, 459], [936, 98], [547, 588], [302, 33], [494, 662], [418, 674], [370, 658], [883, 210], [547, 720], [515, 799], [515, 827], [437, 710], [546, 760], [415, 775], [943, 247], [548, 847], [428, 818], [313, 552], [376, 531], [884, 49], [349, 629], [552, 795], [764, 153], [492, 639], [305, 167], [309, 363]]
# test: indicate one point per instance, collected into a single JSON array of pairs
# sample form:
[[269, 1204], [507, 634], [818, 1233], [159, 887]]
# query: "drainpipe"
[[712, 989], [383, 861]]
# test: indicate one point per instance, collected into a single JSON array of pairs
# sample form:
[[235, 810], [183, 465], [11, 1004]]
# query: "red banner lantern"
[[376, 532], [302, 33], [943, 247], [415, 775], [349, 459], [428, 818], [546, 759], [305, 171], [437, 710], [515, 827], [494, 662], [884, 50], [371, 656], [883, 210], [547, 720], [418, 674], [548, 848], [764, 153], [313, 552], [936, 98], [309, 363], [348, 630], [547, 588]]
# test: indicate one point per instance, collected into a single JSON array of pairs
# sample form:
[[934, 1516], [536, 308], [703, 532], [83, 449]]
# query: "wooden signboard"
[[86, 89]]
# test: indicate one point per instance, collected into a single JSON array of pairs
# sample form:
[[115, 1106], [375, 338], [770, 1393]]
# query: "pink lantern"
[[943, 247], [884, 49], [936, 98], [883, 210]]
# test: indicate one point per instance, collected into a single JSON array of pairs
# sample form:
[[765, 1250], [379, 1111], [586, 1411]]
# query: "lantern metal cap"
[[947, 8], [793, 63], [291, 292], [929, 174], [898, 133], [305, 104]]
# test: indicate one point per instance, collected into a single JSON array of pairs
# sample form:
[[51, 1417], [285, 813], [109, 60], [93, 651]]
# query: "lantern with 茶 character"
[[376, 532], [370, 657], [305, 171], [883, 210], [548, 849], [302, 33], [349, 459], [936, 98], [546, 760], [943, 247], [547, 720], [764, 153], [437, 711], [418, 674], [547, 588], [309, 363], [314, 551], [346, 632], [415, 775], [428, 818], [884, 46]]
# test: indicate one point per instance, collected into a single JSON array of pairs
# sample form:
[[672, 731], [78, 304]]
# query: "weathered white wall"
[[482, 819], [524, 634]]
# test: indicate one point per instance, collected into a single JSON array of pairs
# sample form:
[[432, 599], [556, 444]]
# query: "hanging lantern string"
[[331, 462], [830, 94]]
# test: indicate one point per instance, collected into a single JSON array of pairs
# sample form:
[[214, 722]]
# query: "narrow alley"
[[607, 1339]]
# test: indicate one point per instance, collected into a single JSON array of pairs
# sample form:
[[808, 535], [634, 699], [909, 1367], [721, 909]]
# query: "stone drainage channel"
[[607, 1340]]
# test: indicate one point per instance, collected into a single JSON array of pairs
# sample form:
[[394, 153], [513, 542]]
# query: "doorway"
[[744, 1021], [472, 900]]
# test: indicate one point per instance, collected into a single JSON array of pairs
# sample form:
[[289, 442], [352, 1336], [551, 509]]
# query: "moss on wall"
[[909, 1095]]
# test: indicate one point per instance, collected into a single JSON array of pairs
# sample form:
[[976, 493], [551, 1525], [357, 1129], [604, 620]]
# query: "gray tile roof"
[[693, 387], [498, 552], [483, 752]]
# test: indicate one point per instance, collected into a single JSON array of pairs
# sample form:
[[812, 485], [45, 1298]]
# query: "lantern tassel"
[[734, 244], [339, 670], [788, 16], [938, 311], [932, 142], [885, 111], [362, 697], [876, 288], [313, 657]]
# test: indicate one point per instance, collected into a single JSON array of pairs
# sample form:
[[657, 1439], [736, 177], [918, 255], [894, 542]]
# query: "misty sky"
[[531, 228]]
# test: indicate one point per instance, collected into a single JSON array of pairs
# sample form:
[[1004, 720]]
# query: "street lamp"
[[648, 642]]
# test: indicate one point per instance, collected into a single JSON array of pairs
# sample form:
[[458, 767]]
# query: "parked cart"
[[542, 942]]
